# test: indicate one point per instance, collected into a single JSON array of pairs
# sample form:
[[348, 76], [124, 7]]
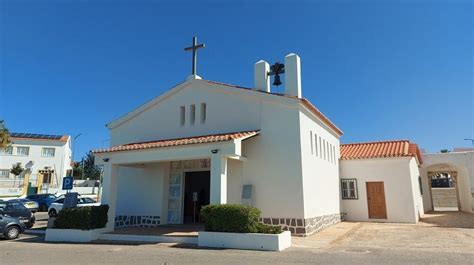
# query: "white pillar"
[[218, 180], [109, 192], [293, 75], [261, 78]]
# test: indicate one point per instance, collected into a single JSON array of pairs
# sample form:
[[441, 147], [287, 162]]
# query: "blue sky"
[[378, 69]]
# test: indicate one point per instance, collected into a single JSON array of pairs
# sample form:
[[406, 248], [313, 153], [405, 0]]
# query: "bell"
[[276, 80]]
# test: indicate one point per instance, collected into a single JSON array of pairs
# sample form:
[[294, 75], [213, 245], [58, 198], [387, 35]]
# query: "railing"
[[11, 183]]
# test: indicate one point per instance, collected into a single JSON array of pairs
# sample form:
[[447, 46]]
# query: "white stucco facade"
[[55, 159], [399, 175], [291, 184]]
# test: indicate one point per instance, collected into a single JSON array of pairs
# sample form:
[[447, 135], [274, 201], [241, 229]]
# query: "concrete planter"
[[73, 235], [253, 241]]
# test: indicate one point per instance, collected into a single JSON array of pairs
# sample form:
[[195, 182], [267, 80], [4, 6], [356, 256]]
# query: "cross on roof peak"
[[194, 48]]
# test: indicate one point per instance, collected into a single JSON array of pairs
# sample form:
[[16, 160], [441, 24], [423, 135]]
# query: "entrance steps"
[[149, 238]]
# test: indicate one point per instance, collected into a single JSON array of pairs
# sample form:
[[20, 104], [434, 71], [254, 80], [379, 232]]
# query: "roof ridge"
[[191, 137], [378, 142], [180, 141]]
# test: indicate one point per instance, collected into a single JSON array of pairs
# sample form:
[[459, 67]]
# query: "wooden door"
[[376, 200]]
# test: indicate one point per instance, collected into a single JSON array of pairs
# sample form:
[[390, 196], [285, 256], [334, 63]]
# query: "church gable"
[[195, 107]]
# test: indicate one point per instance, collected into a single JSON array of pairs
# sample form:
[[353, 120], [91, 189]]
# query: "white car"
[[57, 205]]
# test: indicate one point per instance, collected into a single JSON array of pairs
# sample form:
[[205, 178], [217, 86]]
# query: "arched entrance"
[[444, 192], [447, 185]]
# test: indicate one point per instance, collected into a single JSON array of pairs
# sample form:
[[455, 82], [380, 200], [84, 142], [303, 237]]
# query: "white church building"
[[204, 142]]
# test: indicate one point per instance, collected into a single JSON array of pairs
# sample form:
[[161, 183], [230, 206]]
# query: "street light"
[[72, 155]]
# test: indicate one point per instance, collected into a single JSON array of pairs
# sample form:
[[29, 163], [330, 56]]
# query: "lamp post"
[[72, 155]]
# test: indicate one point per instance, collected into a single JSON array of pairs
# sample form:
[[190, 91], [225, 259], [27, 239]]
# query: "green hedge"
[[235, 218], [83, 218]]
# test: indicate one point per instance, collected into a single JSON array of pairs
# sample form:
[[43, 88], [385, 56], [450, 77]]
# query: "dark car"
[[10, 227], [43, 200], [29, 204], [19, 211]]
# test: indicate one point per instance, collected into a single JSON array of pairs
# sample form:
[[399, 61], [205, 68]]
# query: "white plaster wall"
[[228, 110], [415, 187], [234, 181], [463, 164], [320, 174], [396, 175], [273, 159], [61, 162], [140, 189], [273, 164]]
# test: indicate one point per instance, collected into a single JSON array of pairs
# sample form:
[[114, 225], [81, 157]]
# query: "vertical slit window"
[[330, 152], [327, 150], [203, 112], [311, 140], [316, 144], [320, 148], [182, 115], [192, 114], [324, 145]]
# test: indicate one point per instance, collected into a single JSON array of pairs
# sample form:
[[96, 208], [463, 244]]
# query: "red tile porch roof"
[[212, 138], [396, 148]]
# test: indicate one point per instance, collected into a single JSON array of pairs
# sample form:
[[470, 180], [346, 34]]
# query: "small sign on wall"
[[247, 194]]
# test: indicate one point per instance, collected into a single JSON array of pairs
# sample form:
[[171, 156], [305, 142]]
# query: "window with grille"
[[22, 150], [4, 173], [349, 189], [6, 151]]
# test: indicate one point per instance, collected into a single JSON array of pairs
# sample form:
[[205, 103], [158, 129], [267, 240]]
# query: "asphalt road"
[[32, 250], [438, 239]]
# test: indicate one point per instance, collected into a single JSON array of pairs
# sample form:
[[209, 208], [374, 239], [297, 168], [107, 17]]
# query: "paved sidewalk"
[[327, 237]]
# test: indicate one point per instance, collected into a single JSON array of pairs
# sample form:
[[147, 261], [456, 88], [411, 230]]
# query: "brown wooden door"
[[376, 200]]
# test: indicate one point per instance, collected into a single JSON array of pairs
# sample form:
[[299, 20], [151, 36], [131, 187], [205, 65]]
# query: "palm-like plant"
[[4, 135]]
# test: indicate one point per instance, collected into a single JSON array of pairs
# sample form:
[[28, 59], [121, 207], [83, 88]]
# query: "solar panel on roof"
[[36, 136]]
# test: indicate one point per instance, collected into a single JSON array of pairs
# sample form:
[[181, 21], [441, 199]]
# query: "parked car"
[[57, 206], [30, 205], [17, 210], [10, 227], [43, 200]]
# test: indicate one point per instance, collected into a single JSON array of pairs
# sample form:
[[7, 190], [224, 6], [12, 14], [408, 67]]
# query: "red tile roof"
[[397, 148], [212, 138], [304, 101]]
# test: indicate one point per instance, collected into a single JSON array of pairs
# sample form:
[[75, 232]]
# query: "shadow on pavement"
[[448, 219]]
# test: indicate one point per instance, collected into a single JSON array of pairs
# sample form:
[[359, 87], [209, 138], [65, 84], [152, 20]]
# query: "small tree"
[[86, 168], [4, 135], [444, 151], [16, 170]]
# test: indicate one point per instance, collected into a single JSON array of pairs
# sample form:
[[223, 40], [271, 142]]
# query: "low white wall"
[[10, 192], [273, 242], [73, 235], [395, 173], [80, 190]]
